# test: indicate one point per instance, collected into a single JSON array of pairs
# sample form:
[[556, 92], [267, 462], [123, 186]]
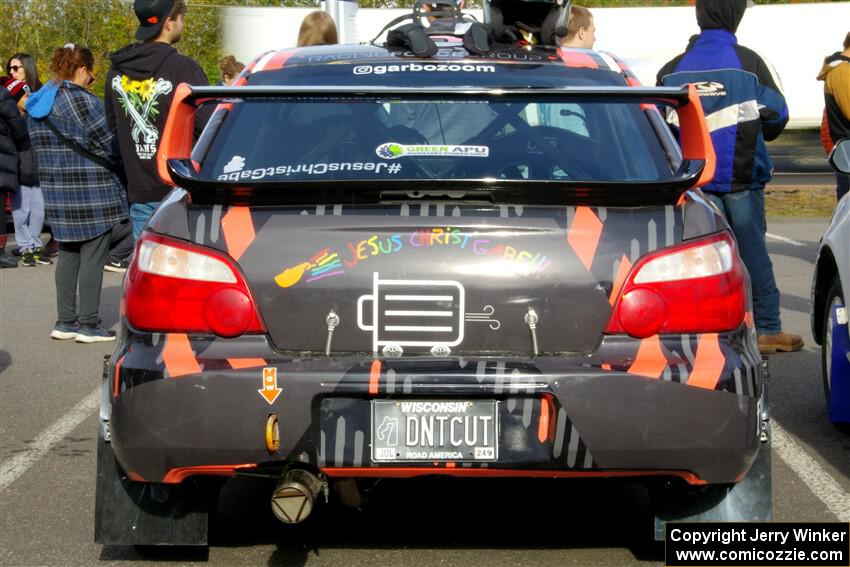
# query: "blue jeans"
[[744, 211], [28, 215], [140, 213]]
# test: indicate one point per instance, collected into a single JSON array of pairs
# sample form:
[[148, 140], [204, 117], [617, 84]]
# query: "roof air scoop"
[[437, 18], [507, 24]]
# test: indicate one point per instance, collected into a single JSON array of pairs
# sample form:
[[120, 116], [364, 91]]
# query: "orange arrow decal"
[[270, 391]]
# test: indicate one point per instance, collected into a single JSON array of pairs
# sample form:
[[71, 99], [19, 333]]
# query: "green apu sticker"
[[393, 150]]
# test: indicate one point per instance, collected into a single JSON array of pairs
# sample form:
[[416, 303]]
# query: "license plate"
[[434, 430]]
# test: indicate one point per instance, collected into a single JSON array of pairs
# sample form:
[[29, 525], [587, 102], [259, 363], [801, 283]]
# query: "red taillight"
[[698, 287], [175, 286]]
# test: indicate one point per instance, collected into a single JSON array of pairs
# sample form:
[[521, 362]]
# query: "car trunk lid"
[[439, 279]]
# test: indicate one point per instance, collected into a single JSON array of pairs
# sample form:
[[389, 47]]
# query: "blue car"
[[830, 291]]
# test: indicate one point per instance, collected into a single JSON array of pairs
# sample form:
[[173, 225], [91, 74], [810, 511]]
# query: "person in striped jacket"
[[741, 95]]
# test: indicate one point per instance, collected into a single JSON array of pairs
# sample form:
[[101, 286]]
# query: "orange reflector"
[[374, 377]]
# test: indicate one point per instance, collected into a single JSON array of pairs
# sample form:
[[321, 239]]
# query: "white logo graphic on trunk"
[[424, 313], [139, 100], [418, 313]]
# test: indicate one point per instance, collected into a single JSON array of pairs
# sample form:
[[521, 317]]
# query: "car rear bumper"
[[178, 409]]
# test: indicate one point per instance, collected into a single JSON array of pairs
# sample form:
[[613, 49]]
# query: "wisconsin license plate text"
[[434, 430]]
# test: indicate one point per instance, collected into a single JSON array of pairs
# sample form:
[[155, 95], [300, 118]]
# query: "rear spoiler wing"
[[175, 149]]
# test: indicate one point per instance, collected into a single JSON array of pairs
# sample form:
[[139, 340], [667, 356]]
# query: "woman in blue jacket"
[[83, 197]]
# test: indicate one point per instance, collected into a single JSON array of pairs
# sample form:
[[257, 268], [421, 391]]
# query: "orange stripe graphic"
[[620, 280], [650, 360], [228, 106], [279, 60], [239, 363], [177, 475], [238, 229], [117, 372], [708, 364], [410, 472], [543, 425], [577, 59], [178, 356], [374, 376], [584, 235]]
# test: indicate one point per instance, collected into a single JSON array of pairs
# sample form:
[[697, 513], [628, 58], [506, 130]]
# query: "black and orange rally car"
[[378, 265]]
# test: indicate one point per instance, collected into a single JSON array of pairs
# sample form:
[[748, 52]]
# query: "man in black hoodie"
[[742, 98], [140, 86]]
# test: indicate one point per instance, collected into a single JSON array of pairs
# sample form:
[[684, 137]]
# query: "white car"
[[830, 291]]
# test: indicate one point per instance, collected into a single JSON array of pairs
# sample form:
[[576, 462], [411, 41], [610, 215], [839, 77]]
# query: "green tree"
[[38, 27]]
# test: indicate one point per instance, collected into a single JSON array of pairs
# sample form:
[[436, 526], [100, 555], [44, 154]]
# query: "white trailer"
[[793, 37]]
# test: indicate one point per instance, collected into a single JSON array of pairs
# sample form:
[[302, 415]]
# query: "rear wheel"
[[833, 299]]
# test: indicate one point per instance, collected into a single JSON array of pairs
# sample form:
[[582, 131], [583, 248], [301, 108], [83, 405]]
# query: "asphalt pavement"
[[47, 465]]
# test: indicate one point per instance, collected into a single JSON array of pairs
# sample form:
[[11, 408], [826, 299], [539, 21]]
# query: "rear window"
[[479, 137]]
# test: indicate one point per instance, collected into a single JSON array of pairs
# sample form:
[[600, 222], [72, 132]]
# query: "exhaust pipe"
[[294, 496]]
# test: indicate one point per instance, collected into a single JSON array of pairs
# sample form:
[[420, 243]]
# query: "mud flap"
[[839, 392], [750, 500], [139, 513]]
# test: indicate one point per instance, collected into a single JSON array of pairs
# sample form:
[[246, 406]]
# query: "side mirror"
[[839, 158]]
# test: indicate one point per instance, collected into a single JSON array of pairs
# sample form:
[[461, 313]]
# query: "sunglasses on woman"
[[15, 68]]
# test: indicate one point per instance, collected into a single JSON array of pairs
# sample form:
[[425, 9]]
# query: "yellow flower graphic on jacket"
[[139, 99], [145, 88], [127, 84]]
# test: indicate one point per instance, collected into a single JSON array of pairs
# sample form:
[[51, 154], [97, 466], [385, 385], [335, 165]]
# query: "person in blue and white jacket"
[[744, 107]]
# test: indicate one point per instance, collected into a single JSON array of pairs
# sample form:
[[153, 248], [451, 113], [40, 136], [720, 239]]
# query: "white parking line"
[[784, 239], [819, 481], [44, 442]]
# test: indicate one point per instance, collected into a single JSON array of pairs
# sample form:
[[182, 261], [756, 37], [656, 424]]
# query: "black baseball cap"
[[151, 14]]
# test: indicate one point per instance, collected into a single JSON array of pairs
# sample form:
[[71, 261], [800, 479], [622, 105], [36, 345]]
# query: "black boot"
[[7, 261]]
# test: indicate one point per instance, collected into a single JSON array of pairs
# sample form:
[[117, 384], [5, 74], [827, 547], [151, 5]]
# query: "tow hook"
[[531, 319], [295, 495], [332, 321], [764, 406]]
